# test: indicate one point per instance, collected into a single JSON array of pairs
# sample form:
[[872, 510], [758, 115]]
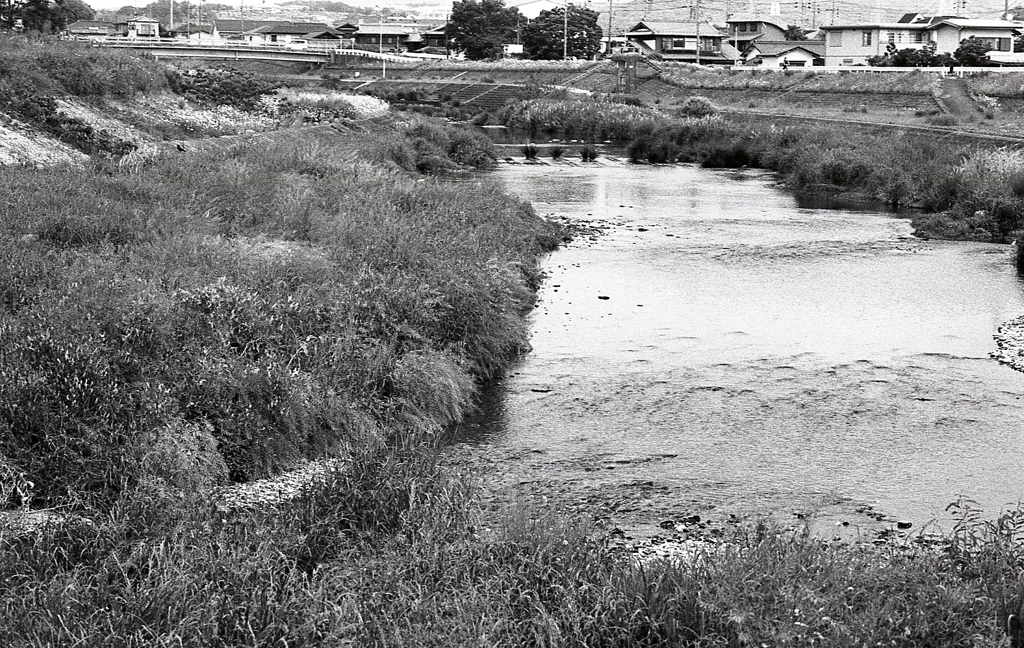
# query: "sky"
[[803, 11]]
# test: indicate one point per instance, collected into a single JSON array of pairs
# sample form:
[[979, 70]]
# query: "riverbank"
[[175, 320], [963, 190]]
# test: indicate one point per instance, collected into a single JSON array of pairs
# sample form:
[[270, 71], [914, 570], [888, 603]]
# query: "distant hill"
[[328, 5]]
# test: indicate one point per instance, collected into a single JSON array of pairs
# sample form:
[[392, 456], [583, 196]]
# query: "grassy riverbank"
[[964, 190], [172, 321]]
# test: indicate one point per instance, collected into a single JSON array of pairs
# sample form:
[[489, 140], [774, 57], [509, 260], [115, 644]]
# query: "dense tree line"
[[479, 29], [42, 15]]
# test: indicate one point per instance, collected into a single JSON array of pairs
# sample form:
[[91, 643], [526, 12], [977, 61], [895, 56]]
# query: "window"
[[741, 27], [865, 39], [1005, 45], [918, 38], [834, 39], [891, 38]]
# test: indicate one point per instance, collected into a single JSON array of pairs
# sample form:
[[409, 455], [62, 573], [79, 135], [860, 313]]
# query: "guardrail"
[[865, 69], [326, 49]]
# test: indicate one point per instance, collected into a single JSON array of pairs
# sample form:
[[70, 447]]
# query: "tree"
[[972, 52], [480, 28], [66, 12], [794, 33], [911, 57], [10, 13], [35, 16], [543, 37]]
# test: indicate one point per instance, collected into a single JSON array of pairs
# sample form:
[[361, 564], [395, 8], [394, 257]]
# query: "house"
[[677, 41], [206, 33], [138, 27], [289, 33], [744, 29], [785, 54], [388, 37], [436, 37], [234, 30], [853, 44], [91, 29]]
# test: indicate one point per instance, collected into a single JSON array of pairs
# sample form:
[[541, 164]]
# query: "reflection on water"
[[724, 342]]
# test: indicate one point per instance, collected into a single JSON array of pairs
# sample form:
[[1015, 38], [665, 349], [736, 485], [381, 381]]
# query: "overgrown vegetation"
[[214, 87], [388, 553], [175, 321], [704, 77], [34, 75], [270, 302]]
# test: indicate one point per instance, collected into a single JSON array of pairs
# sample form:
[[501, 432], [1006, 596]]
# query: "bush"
[[697, 107], [213, 87]]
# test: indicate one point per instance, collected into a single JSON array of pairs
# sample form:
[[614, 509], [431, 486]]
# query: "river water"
[[721, 349]]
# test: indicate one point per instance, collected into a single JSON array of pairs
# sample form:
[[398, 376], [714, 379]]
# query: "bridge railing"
[[342, 48]]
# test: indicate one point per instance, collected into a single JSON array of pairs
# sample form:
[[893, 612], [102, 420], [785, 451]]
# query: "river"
[[722, 351]]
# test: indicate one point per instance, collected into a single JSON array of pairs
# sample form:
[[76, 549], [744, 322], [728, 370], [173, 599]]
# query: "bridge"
[[304, 53]]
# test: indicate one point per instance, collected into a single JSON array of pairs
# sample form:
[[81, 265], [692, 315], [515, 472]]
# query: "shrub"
[[221, 87], [555, 151], [697, 107]]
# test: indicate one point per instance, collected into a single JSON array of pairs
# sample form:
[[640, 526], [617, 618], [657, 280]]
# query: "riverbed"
[[721, 352]]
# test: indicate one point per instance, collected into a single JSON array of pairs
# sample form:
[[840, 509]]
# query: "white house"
[[139, 27], [853, 44], [785, 54]]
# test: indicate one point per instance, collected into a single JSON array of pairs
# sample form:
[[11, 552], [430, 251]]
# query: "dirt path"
[[954, 97]]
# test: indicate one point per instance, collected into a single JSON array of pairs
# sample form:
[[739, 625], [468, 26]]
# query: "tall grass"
[[913, 82], [583, 119], [286, 297], [387, 553], [71, 68]]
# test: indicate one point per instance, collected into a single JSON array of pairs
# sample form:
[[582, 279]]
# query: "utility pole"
[[609, 52], [170, 19], [383, 61], [199, 19], [697, 4]]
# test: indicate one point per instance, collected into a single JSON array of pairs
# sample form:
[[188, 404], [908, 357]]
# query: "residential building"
[[289, 33], [678, 41], [192, 32], [436, 37], [91, 29], [389, 37], [234, 30], [785, 54], [744, 29], [138, 27], [853, 44]]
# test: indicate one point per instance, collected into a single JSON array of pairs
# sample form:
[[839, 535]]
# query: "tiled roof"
[[294, 29], [673, 29], [778, 48]]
